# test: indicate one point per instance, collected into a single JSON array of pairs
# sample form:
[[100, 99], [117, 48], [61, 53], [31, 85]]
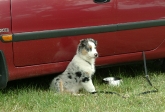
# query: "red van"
[[39, 37]]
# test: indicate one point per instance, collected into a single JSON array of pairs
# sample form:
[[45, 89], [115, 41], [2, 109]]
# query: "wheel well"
[[3, 71]]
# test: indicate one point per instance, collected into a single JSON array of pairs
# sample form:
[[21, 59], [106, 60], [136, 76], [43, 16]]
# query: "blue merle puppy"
[[80, 70]]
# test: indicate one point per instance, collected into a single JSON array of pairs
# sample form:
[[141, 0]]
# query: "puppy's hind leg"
[[57, 85]]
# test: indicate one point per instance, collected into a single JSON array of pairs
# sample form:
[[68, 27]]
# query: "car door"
[[48, 31], [140, 25]]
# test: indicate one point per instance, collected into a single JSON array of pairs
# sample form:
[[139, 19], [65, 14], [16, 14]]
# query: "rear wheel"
[[3, 71]]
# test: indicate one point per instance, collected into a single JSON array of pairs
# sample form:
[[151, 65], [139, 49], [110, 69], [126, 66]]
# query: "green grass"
[[33, 95]]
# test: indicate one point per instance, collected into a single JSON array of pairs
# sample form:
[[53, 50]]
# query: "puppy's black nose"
[[96, 55]]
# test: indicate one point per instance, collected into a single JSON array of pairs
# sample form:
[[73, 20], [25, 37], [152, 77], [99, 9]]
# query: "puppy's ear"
[[92, 40], [83, 42], [95, 42]]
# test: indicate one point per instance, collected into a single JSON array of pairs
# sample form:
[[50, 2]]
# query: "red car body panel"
[[40, 15], [135, 10], [58, 15], [40, 52], [36, 57]]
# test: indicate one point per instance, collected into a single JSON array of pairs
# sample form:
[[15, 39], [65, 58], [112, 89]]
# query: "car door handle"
[[101, 1]]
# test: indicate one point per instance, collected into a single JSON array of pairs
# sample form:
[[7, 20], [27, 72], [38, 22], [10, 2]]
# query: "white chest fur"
[[84, 65]]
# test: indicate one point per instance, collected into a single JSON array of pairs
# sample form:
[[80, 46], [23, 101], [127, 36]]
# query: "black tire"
[[3, 71]]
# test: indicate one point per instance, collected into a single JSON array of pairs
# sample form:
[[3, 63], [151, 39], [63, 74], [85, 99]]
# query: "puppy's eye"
[[90, 48]]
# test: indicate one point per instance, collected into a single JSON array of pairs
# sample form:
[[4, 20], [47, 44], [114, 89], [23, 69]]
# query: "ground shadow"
[[42, 82]]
